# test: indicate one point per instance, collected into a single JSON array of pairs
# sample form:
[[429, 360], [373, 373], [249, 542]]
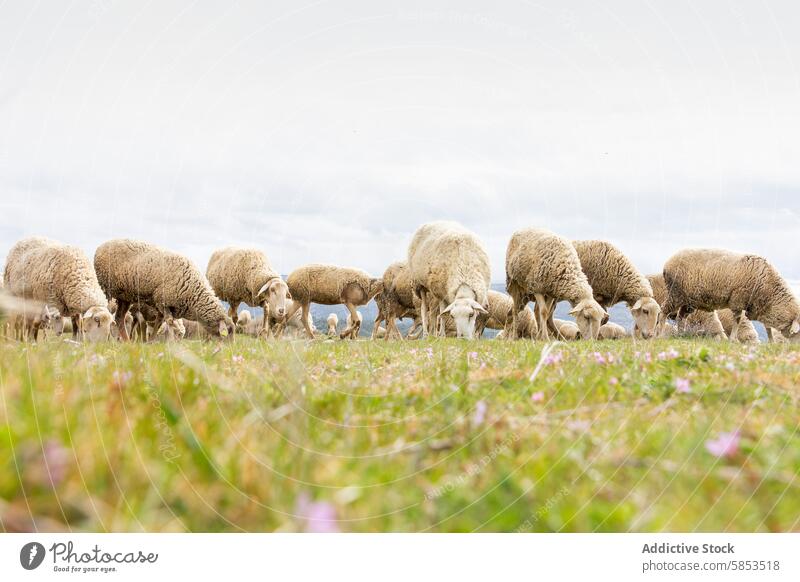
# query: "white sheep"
[[331, 285], [614, 331], [499, 316], [59, 276], [450, 271], [614, 278], [137, 272], [245, 275], [749, 285], [243, 320], [544, 267], [333, 323], [566, 330]]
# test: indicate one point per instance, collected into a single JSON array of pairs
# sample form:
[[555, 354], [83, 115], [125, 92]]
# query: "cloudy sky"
[[328, 131]]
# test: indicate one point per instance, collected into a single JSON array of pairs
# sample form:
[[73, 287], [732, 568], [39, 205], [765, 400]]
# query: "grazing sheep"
[[244, 275], [333, 323], [613, 331], [545, 267], [450, 272], [747, 333], [59, 276], [399, 299], [500, 317], [243, 321], [193, 329], [135, 272], [749, 285], [702, 323], [567, 330], [35, 317], [614, 278], [331, 285]]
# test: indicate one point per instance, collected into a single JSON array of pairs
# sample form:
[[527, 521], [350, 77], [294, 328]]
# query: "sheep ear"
[[575, 311], [223, 329], [265, 286], [795, 326], [447, 309], [479, 307], [637, 306], [88, 313]]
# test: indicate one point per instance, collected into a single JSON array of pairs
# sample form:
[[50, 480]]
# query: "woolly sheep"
[[61, 277], [614, 278], [499, 316], [245, 275], [333, 323], [450, 271], [331, 285], [243, 320], [545, 267], [133, 271], [612, 331], [566, 330], [712, 279], [398, 298], [698, 322]]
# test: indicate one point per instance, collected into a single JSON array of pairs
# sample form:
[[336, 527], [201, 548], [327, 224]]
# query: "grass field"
[[441, 435]]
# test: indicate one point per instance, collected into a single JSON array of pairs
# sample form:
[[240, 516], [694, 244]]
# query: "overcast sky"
[[328, 131]]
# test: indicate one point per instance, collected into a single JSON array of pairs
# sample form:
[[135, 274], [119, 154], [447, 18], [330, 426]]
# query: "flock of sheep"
[[135, 289]]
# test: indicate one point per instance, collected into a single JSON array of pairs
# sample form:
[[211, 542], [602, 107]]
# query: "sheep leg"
[[378, 319], [306, 309], [519, 301], [551, 325], [122, 309], [234, 315], [352, 330], [423, 311], [540, 310]]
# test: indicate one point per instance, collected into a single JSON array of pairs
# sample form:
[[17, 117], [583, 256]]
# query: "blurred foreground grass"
[[444, 435]]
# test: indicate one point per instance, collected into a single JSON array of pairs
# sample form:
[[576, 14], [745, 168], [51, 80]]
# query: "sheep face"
[[646, 313], [274, 294], [96, 324], [52, 318], [465, 313], [588, 316]]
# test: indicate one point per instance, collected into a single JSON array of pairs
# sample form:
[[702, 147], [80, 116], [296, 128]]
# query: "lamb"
[[614, 278], [147, 322], [61, 277], [398, 298], [136, 272], [331, 285], [703, 323], [243, 321], [500, 317], [244, 275], [333, 322], [450, 272], [749, 285], [567, 330], [545, 267], [614, 331]]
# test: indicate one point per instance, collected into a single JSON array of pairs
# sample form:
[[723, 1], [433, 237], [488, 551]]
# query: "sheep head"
[[52, 318], [646, 313], [588, 316], [465, 311], [96, 324], [223, 328], [273, 295]]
